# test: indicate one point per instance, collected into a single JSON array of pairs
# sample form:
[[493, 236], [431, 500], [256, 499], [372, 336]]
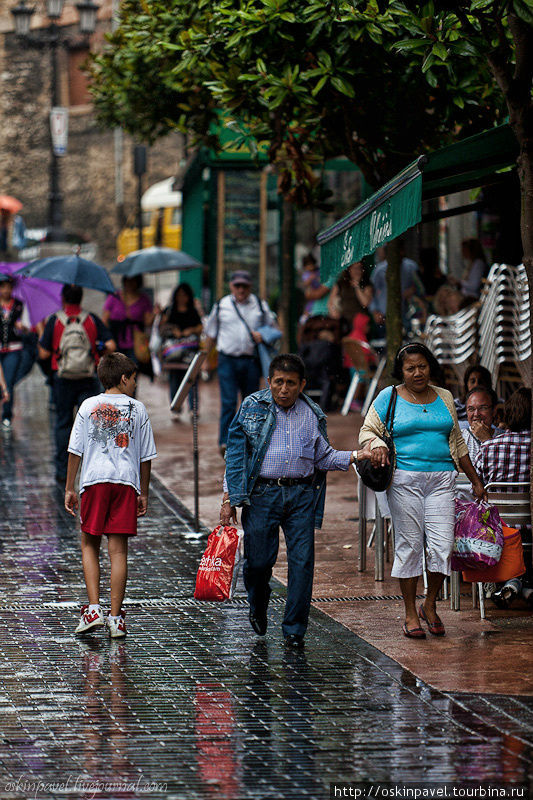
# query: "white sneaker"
[[90, 619], [6, 423], [117, 627]]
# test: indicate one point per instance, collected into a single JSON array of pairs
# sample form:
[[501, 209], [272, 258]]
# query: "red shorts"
[[109, 508]]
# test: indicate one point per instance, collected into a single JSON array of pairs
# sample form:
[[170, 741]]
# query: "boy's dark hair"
[[287, 362], [71, 295], [112, 367], [414, 349], [517, 410], [491, 394]]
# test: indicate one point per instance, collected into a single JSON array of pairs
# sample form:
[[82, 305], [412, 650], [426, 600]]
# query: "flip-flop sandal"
[[435, 628], [413, 633]]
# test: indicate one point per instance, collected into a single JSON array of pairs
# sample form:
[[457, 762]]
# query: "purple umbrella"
[[40, 297]]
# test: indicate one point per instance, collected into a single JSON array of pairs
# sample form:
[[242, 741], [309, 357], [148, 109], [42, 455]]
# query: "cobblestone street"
[[192, 704]]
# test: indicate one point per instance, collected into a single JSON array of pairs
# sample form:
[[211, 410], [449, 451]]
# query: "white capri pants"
[[423, 513]]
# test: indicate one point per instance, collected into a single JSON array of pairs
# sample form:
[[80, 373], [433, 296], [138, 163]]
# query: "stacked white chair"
[[504, 335], [453, 339]]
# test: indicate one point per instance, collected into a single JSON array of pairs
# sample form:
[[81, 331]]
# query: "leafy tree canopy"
[[313, 78]]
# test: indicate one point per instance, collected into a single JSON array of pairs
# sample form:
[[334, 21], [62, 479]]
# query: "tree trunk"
[[394, 302], [286, 295], [525, 171]]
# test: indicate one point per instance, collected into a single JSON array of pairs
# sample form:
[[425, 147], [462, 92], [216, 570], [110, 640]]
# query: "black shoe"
[[294, 641], [258, 622], [507, 594]]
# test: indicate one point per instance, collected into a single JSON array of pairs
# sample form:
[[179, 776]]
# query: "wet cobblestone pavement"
[[192, 704]]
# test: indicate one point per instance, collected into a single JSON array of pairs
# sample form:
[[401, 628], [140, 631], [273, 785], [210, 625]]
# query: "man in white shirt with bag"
[[232, 326]]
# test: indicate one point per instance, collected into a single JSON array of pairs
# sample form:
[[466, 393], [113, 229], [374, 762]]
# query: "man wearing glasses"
[[480, 405], [232, 327]]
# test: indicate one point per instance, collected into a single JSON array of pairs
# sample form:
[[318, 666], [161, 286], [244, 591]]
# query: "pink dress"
[[120, 315]]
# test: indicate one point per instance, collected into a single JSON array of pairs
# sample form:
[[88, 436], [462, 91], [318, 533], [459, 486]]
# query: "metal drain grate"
[[182, 602]]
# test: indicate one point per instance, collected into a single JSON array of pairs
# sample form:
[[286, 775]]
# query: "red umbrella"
[[11, 204]]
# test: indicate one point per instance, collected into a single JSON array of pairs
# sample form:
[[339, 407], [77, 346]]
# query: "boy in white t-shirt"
[[113, 436]]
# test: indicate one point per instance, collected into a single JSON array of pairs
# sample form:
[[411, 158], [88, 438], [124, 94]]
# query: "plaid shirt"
[[505, 458], [474, 444], [297, 448]]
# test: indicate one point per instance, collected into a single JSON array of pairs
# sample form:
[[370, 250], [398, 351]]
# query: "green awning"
[[397, 206]]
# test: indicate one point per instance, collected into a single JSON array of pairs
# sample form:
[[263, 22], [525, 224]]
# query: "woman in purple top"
[[125, 310]]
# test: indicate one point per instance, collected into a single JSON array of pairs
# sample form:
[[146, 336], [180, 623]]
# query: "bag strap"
[[391, 410], [243, 320]]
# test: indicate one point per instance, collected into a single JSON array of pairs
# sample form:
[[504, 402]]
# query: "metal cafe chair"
[[358, 355]]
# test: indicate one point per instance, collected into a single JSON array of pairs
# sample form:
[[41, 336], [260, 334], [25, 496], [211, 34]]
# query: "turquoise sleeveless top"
[[420, 437]]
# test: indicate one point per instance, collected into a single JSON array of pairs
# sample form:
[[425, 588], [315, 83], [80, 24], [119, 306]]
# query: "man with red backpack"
[[72, 338]]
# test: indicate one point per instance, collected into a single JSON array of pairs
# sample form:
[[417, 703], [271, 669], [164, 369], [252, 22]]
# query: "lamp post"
[[52, 37]]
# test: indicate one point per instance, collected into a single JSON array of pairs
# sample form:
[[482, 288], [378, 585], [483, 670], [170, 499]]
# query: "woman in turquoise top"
[[430, 450]]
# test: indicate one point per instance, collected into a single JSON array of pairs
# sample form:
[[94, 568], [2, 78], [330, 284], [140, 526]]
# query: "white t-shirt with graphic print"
[[112, 434]]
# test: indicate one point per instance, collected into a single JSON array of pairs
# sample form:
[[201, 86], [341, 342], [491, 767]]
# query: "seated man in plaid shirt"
[[276, 462], [507, 458]]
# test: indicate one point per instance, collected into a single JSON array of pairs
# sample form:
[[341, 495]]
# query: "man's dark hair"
[[112, 367], [517, 410], [484, 374], [414, 349], [71, 295], [287, 362], [491, 394]]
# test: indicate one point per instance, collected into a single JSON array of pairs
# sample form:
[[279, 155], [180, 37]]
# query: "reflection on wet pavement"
[[192, 704]]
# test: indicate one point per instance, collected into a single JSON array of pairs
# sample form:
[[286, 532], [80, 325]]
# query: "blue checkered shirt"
[[297, 448]]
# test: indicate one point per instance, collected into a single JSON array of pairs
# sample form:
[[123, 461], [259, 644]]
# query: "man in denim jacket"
[[276, 462]]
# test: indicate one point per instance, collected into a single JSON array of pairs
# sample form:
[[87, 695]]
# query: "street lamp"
[[53, 37]]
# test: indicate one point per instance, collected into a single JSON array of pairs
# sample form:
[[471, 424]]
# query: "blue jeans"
[[68, 395], [10, 364], [292, 508], [235, 374]]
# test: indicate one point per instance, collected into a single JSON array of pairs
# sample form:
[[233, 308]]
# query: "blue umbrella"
[[70, 269], [155, 259]]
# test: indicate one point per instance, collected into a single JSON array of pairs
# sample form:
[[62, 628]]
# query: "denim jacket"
[[248, 439]]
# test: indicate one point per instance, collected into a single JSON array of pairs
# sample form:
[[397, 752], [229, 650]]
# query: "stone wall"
[[88, 169]]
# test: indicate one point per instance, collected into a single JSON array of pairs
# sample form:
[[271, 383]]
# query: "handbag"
[[478, 541], [510, 565], [378, 478], [218, 570], [179, 350], [141, 349]]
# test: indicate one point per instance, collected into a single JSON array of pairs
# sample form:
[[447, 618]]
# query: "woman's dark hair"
[[112, 367], [71, 295], [137, 278], [185, 287], [345, 279], [411, 350], [287, 362], [517, 410], [7, 279], [484, 374]]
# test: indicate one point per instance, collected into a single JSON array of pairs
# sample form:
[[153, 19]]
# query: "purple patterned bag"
[[478, 539]]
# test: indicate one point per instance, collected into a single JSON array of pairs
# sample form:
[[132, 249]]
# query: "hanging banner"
[[59, 130]]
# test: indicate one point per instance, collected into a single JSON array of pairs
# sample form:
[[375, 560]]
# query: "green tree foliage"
[[313, 79]]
